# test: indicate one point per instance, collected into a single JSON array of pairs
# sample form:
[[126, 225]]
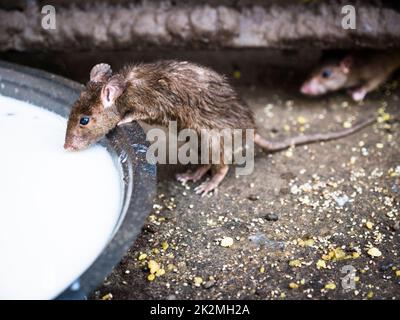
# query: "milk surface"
[[58, 209]]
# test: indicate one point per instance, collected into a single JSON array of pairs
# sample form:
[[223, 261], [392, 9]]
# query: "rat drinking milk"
[[194, 96]]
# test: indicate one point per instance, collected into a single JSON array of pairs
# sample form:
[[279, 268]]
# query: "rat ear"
[[100, 72], [112, 90], [346, 64]]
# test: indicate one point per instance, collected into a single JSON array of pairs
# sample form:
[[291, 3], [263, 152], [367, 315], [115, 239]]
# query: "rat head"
[[94, 114], [330, 77]]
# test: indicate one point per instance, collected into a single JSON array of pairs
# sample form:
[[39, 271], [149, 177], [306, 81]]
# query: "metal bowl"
[[127, 146]]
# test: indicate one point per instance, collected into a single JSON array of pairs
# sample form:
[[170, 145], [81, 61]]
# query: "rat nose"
[[305, 88], [68, 146]]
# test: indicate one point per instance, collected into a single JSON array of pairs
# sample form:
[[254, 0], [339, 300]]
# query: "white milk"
[[57, 208]]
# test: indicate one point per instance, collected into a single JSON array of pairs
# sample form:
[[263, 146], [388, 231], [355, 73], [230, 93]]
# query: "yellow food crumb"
[[374, 252], [347, 124], [283, 295], [295, 263], [301, 120], [383, 116], [151, 277], [397, 273], [321, 264], [198, 281], [393, 173], [153, 266], [171, 267], [142, 256], [108, 296], [226, 242], [355, 255], [306, 243], [370, 295], [262, 269], [369, 225], [335, 254], [165, 245], [327, 257], [339, 254], [160, 272], [237, 74], [330, 286], [293, 285], [289, 153]]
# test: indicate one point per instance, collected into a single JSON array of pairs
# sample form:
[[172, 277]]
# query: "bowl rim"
[[126, 143]]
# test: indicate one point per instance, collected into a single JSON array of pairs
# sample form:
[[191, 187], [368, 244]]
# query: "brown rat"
[[359, 72], [194, 96]]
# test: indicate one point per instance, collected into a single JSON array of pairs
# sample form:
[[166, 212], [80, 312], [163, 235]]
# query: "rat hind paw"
[[212, 184], [206, 187], [184, 177]]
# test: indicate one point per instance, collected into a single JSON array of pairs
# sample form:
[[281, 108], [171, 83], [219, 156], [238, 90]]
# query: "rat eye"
[[84, 121], [326, 73]]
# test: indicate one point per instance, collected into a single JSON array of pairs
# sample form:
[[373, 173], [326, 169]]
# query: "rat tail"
[[271, 146]]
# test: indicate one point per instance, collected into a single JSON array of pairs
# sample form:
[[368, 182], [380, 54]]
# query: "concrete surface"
[[296, 221], [118, 25]]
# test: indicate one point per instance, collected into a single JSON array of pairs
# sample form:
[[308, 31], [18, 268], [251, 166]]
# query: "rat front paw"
[[127, 119], [358, 95], [184, 177]]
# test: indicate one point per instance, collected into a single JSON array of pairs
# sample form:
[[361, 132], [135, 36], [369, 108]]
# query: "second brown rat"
[[360, 73], [194, 96]]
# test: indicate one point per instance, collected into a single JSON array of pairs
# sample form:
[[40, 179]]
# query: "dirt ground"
[[300, 223]]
